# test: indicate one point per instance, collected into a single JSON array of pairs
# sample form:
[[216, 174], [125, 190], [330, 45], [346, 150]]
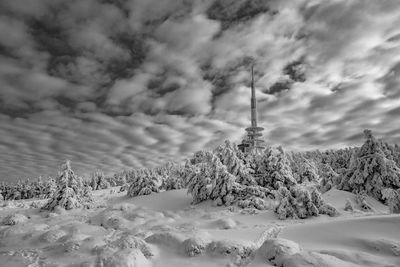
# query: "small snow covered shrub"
[[361, 199], [71, 192], [127, 241], [52, 236], [123, 258], [144, 184], [299, 203], [14, 219], [276, 250], [194, 246], [392, 198], [253, 202], [226, 223], [348, 206], [239, 250]]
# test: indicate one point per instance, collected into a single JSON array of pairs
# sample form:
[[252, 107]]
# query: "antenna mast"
[[252, 143]]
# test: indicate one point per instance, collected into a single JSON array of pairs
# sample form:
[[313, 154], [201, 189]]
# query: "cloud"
[[127, 84]]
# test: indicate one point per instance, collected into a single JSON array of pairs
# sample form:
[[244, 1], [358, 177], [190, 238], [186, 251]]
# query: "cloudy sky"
[[120, 84]]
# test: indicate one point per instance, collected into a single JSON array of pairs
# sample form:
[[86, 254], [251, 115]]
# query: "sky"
[[122, 84]]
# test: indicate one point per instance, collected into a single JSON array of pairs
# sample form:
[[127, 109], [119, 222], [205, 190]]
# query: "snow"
[[164, 229]]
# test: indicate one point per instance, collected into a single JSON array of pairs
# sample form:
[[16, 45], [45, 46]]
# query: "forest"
[[226, 176]]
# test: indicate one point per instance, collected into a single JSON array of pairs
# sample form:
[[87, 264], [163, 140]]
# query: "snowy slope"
[[164, 229]]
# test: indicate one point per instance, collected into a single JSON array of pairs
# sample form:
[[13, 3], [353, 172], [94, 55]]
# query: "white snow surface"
[[164, 229]]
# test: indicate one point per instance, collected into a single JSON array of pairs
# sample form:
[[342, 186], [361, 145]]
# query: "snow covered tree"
[[299, 202], [392, 198], [123, 183], [144, 184], [69, 194], [287, 203], [222, 186], [329, 178], [211, 180], [99, 181], [228, 155], [199, 182], [275, 170], [50, 188], [371, 171], [304, 170]]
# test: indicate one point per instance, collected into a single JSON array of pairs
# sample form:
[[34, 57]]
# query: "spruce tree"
[[275, 170], [69, 194], [371, 170], [228, 155], [144, 184]]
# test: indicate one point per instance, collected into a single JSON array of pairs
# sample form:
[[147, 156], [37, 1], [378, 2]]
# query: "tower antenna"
[[252, 143]]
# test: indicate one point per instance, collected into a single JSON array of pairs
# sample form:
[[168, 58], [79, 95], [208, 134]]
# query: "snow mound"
[[115, 222], [127, 241], [314, 259], [123, 258], [236, 249], [195, 246], [277, 250], [271, 232], [23, 257], [126, 207], [172, 239], [14, 219], [52, 236], [386, 246], [226, 223]]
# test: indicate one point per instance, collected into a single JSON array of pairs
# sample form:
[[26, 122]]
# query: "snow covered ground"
[[164, 230]]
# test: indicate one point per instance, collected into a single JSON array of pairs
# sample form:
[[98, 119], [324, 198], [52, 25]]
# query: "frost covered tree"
[[392, 198], [144, 184], [228, 155], [222, 186], [304, 170], [200, 179], [299, 202], [123, 183], [50, 188], [211, 180], [99, 181], [69, 193], [329, 178], [371, 170], [275, 170]]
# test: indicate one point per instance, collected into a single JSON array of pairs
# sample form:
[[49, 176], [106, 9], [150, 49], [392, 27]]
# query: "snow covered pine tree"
[[70, 192], [371, 170]]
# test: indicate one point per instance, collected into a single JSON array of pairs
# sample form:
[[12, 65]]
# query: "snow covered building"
[[252, 142]]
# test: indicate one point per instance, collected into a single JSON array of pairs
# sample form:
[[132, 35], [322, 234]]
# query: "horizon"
[[114, 85]]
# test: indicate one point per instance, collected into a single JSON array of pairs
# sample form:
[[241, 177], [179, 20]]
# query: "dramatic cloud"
[[123, 84]]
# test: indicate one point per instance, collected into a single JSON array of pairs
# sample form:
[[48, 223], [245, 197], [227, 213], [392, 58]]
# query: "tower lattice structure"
[[253, 143]]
